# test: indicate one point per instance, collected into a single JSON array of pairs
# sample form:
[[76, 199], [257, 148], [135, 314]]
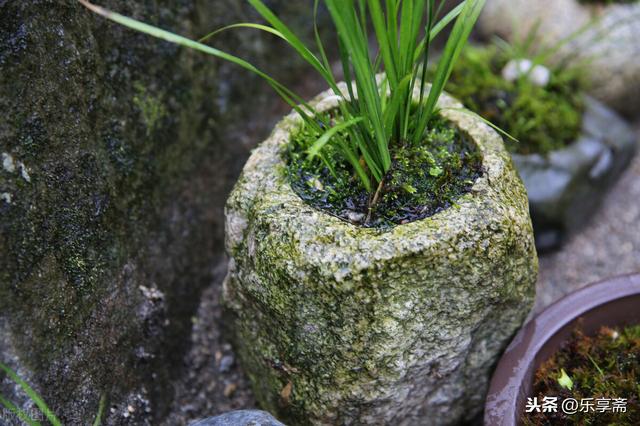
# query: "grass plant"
[[33, 395], [382, 117], [39, 402], [541, 118]]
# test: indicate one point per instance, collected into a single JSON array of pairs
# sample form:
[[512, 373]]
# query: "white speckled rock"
[[612, 45], [336, 324]]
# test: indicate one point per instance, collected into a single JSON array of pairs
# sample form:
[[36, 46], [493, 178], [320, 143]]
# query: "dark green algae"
[[422, 181]]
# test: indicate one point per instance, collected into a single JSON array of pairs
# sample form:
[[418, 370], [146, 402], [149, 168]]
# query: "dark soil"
[[423, 180], [604, 366], [213, 382]]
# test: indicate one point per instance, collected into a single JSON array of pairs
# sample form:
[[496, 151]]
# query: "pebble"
[[7, 162], [516, 68], [355, 217], [226, 363], [230, 389], [240, 418]]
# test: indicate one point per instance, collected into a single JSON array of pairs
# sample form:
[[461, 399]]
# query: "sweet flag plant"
[[383, 116]]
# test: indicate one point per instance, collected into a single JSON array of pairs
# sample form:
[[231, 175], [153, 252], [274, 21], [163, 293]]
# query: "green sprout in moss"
[[376, 124], [39, 402], [564, 380]]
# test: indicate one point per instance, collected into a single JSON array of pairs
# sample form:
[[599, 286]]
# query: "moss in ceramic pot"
[[604, 367], [542, 119]]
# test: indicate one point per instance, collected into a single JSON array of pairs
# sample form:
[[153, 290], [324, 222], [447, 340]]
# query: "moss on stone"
[[604, 366], [542, 119], [366, 326], [151, 107], [422, 181], [126, 141]]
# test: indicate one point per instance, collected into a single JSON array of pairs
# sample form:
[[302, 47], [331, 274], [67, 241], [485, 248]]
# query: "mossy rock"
[[115, 163], [610, 46], [567, 185], [570, 148], [339, 324]]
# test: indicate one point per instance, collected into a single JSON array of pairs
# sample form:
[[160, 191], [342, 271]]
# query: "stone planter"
[[611, 303], [611, 45], [566, 186], [337, 324]]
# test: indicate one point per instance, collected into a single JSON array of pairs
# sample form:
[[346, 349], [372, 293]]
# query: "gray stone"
[[117, 154], [610, 46], [566, 186], [337, 324], [240, 418], [226, 363]]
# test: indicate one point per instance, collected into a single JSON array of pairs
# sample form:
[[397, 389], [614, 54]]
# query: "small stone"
[[516, 68], [6, 197], [355, 217], [24, 173], [315, 183], [230, 389], [226, 362], [151, 293], [240, 418], [7, 162]]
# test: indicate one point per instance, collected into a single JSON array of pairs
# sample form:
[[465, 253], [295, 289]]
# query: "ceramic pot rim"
[[613, 302]]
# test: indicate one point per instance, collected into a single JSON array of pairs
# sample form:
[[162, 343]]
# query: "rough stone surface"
[[337, 324], [566, 186], [117, 153], [240, 418], [611, 46], [608, 246]]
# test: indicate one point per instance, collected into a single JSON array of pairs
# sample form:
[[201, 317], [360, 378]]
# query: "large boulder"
[[118, 152], [609, 46], [338, 324]]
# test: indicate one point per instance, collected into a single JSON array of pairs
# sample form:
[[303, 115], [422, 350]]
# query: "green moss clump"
[[541, 119], [151, 107], [422, 181], [606, 365]]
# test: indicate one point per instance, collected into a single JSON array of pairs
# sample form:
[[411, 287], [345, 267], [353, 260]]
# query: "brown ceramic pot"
[[613, 303]]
